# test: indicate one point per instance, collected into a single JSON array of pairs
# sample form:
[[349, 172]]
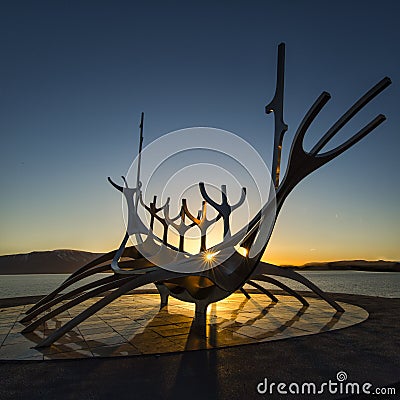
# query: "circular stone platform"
[[134, 325]]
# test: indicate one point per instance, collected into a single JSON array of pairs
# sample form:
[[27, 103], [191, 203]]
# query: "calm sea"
[[384, 284]]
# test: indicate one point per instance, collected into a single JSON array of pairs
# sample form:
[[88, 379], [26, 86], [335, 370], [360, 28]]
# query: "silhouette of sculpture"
[[131, 269]]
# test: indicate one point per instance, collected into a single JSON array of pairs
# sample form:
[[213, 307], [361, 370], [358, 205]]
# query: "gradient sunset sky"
[[75, 76]]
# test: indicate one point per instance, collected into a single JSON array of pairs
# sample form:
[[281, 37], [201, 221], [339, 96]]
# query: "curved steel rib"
[[67, 283], [350, 113], [224, 209], [153, 210], [86, 271], [65, 296], [131, 284], [287, 289], [202, 222], [263, 290], [130, 252], [269, 269], [302, 163], [77, 300], [181, 228]]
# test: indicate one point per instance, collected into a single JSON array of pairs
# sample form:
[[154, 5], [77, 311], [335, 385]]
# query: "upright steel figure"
[[222, 279]]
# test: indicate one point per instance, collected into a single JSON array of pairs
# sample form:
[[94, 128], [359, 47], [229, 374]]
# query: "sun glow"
[[209, 256]]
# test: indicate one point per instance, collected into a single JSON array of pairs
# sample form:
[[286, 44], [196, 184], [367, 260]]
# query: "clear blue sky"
[[75, 75]]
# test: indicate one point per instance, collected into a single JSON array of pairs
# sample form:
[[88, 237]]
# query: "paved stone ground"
[[367, 351], [134, 325]]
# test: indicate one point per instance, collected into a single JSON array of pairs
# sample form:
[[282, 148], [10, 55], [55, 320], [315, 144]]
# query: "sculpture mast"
[[140, 150], [276, 106], [138, 183]]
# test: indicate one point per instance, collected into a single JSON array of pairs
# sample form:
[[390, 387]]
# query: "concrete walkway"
[[366, 352]]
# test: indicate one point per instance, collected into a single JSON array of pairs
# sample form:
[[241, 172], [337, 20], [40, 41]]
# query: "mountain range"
[[355, 265], [45, 262]]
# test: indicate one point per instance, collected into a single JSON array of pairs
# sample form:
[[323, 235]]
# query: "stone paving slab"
[[133, 325]]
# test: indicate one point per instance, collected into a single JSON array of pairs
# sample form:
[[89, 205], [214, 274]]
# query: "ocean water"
[[384, 284]]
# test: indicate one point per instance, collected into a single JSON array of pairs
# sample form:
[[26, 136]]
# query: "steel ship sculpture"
[[131, 269]]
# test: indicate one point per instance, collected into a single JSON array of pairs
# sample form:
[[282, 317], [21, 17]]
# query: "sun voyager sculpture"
[[195, 244]]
